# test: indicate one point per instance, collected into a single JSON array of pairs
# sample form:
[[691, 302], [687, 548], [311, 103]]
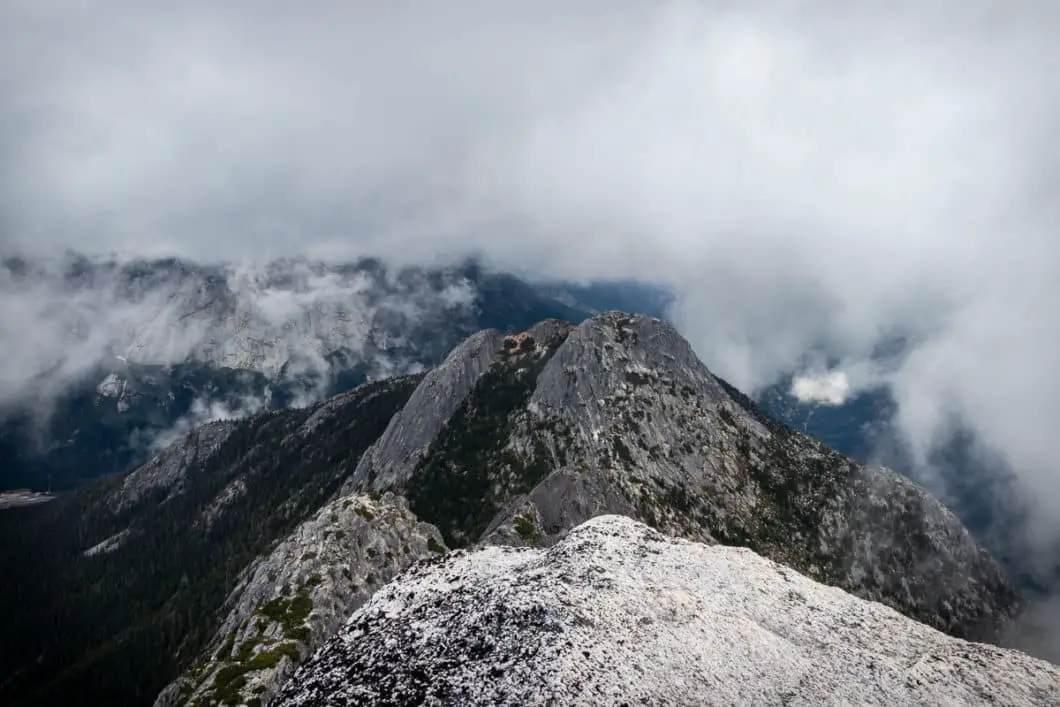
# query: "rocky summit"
[[618, 614], [517, 439]]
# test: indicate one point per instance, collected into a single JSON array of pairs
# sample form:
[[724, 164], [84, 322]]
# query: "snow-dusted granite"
[[617, 613]]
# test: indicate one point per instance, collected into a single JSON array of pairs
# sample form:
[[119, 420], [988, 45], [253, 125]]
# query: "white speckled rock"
[[617, 613]]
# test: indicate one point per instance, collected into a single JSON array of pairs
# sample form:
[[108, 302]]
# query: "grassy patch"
[[226, 648], [271, 658], [290, 613], [230, 680], [525, 527]]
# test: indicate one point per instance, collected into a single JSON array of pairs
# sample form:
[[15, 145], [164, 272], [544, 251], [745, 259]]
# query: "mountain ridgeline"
[[226, 561], [617, 415], [132, 354]]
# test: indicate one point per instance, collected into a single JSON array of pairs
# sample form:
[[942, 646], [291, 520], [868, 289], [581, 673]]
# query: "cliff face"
[[617, 613], [617, 415], [390, 461], [292, 601]]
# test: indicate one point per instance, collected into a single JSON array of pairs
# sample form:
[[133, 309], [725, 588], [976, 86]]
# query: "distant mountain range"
[[134, 354]]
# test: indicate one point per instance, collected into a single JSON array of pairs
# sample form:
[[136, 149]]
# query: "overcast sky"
[[825, 172]]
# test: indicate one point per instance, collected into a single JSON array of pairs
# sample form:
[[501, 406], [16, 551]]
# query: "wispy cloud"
[[281, 318]]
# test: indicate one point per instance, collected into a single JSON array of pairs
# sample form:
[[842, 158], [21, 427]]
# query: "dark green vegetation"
[[289, 612], [525, 527], [231, 678], [468, 474], [116, 627]]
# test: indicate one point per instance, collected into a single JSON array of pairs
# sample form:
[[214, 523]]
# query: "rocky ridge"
[[617, 613], [139, 568], [617, 415], [290, 602], [516, 439], [164, 474]]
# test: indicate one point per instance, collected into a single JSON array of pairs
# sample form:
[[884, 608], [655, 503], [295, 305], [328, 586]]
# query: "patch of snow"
[[109, 545]]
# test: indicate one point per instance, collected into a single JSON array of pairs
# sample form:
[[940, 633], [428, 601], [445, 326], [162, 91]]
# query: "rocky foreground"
[[617, 613]]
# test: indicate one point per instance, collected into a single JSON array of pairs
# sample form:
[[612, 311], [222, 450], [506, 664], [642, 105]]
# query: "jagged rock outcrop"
[[617, 613], [289, 603], [617, 415], [392, 458]]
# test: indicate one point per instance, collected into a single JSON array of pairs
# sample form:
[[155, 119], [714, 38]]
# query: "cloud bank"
[[805, 175]]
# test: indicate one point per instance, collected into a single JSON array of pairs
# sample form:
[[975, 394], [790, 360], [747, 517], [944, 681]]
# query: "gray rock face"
[[567, 498], [390, 460], [617, 613], [614, 352], [290, 602], [619, 416], [165, 472]]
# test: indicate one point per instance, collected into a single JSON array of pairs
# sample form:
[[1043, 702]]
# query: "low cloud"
[[64, 320], [202, 412], [829, 389]]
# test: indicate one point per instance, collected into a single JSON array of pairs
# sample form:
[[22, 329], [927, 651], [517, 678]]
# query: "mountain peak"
[[517, 439]]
